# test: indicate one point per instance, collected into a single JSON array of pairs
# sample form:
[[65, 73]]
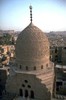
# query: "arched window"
[[21, 92], [34, 67], [26, 93], [20, 66], [31, 94], [41, 66], [26, 67]]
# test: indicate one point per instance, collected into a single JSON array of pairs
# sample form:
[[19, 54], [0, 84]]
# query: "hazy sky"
[[48, 15]]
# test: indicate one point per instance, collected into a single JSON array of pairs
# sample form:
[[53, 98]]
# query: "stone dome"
[[32, 47]]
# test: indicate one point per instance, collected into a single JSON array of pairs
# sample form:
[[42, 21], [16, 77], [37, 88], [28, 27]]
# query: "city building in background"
[[32, 64]]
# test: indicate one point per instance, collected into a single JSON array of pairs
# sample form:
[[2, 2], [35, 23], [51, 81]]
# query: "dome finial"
[[30, 13]]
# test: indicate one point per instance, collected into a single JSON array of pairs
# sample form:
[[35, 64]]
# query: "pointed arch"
[[26, 93], [20, 92], [31, 94]]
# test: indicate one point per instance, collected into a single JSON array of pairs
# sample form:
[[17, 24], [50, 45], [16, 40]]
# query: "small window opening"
[[26, 81], [26, 67], [41, 66], [29, 86], [23, 85], [20, 66], [34, 67]]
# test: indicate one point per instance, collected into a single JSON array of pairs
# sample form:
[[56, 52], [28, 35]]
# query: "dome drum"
[[32, 47]]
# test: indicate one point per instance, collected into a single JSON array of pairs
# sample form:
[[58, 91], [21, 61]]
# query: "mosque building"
[[31, 77]]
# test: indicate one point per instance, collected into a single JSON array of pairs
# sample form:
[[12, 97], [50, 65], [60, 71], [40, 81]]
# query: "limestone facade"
[[32, 74]]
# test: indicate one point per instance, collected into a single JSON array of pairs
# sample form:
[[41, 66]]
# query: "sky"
[[48, 15]]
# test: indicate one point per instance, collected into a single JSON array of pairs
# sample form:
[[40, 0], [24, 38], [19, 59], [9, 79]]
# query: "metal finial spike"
[[30, 13]]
